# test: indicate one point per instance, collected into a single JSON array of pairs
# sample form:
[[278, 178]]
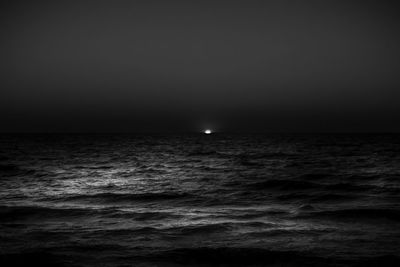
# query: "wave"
[[120, 197], [318, 196], [293, 196], [116, 255], [332, 197], [13, 213], [322, 191], [94, 167], [203, 229], [348, 187], [362, 214], [202, 153], [235, 256], [15, 170], [267, 155], [146, 216], [254, 214], [240, 191], [32, 213], [315, 176], [285, 185], [44, 259]]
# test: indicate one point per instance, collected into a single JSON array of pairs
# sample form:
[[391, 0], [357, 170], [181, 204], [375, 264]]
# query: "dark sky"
[[243, 66]]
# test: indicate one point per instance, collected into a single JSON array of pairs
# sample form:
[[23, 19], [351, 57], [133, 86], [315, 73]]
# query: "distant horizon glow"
[[180, 66]]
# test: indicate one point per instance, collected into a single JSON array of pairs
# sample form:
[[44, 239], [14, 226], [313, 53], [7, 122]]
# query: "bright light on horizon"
[[207, 131]]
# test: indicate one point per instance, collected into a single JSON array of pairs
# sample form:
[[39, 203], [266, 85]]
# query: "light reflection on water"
[[307, 194]]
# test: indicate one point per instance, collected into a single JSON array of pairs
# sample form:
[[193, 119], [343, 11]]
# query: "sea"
[[200, 200]]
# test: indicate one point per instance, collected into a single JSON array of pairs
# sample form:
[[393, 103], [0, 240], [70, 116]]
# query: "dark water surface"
[[197, 200]]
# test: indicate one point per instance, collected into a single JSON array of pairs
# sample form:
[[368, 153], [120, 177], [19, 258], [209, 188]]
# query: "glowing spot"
[[207, 131]]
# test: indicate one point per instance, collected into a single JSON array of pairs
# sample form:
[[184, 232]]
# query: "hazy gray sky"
[[185, 65]]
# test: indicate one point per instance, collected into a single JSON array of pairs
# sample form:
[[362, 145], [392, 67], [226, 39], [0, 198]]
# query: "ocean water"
[[200, 200]]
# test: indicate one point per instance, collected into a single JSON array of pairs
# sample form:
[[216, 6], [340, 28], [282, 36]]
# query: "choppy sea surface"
[[200, 200]]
